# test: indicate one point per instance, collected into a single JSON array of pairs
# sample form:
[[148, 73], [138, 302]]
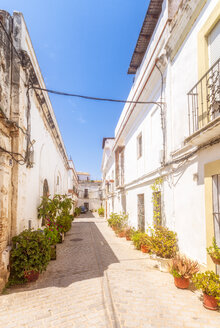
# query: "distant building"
[[83, 176], [89, 191]]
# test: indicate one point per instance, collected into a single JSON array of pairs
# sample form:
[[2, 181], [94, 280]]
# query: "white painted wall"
[[183, 197], [49, 163]]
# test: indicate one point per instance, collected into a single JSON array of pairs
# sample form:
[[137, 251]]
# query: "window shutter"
[[214, 44]]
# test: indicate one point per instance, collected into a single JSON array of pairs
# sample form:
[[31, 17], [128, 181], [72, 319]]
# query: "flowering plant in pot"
[[182, 270], [214, 252], [30, 255], [209, 283]]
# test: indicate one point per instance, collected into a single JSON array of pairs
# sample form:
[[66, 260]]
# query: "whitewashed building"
[[33, 159], [73, 183], [175, 132], [89, 192]]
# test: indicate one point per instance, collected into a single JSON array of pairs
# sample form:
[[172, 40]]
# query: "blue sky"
[[84, 47]]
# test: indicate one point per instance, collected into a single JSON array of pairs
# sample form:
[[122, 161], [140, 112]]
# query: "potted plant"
[[128, 233], [214, 252], [164, 246], [52, 234], [146, 244], [101, 211], [209, 283], [136, 239], [182, 270], [30, 255]]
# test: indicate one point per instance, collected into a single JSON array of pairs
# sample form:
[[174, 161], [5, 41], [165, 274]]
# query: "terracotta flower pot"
[[209, 302], [182, 283], [121, 234], [31, 275], [216, 261], [128, 237], [145, 248], [114, 228]]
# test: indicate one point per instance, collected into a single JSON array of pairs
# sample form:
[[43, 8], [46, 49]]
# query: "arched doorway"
[[45, 188]]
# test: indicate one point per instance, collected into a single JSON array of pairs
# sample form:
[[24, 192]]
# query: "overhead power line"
[[95, 98]]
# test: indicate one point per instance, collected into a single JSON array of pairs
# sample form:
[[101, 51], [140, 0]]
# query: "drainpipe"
[[162, 113]]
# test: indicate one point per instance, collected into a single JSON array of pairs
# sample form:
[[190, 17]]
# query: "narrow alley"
[[99, 280]]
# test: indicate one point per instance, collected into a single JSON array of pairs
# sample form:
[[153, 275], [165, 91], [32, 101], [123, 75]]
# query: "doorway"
[[141, 212]]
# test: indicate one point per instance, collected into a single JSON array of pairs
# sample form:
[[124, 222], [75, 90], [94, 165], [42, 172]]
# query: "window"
[[139, 145], [214, 44], [86, 194]]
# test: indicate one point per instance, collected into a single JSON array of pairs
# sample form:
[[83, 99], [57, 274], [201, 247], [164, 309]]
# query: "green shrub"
[[77, 211], [64, 222], [137, 238], [50, 209], [208, 282], [164, 242], [119, 221], [52, 234], [214, 250], [101, 211], [30, 251], [129, 232]]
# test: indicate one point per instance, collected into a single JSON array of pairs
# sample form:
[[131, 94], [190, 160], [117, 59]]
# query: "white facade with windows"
[[176, 134]]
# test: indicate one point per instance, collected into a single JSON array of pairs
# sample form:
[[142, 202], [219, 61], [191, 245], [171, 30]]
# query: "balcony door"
[[213, 81]]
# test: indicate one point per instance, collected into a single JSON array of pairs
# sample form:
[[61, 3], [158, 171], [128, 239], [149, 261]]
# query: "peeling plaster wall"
[[21, 187]]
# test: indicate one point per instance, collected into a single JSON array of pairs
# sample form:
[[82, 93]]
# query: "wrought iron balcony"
[[204, 99]]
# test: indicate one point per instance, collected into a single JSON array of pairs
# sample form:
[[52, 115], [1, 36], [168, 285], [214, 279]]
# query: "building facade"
[[90, 192], [33, 159], [173, 136]]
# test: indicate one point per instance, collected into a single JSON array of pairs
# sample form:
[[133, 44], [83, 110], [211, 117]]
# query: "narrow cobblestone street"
[[98, 281]]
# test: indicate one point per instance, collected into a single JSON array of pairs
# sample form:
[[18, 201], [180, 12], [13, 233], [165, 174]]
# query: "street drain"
[[76, 239]]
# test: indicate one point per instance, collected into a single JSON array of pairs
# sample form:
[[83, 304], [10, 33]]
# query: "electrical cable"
[[21, 161], [95, 98]]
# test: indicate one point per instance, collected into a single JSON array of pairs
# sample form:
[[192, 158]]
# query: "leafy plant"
[[101, 211], [145, 240], [214, 250], [30, 251], [156, 188], [119, 221], [164, 242], [182, 267], [209, 283], [77, 211], [52, 234], [64, 221], [50, 209], [129, 232], [137, 239]]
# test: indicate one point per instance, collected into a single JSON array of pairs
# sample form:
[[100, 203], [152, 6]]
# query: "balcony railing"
[[204, 99]]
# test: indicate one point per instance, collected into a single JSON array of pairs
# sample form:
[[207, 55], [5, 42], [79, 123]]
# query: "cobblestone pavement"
[[100, 281]]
